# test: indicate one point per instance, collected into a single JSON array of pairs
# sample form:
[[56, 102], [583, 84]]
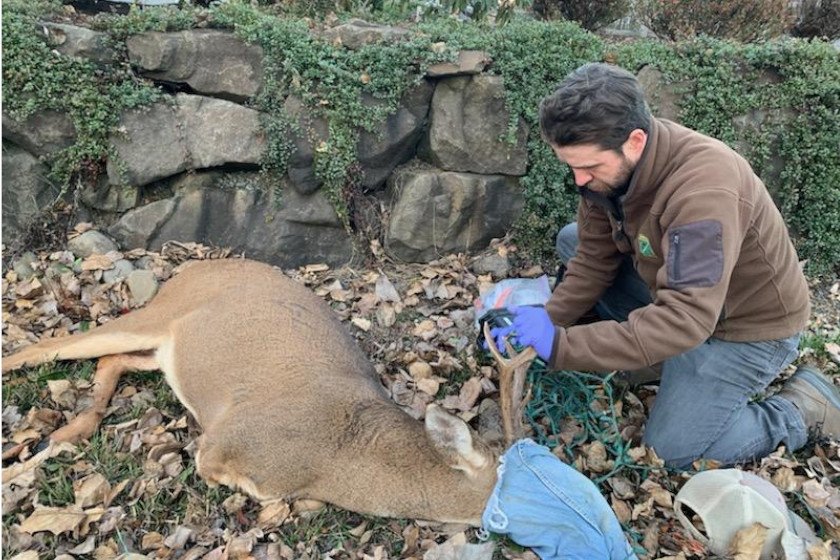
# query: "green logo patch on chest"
[[645, 248]]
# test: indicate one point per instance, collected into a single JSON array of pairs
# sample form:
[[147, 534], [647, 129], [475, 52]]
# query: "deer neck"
[[400, 473]]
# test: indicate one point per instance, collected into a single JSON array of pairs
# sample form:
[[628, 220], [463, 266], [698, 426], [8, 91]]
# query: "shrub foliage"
[[818, 18], [743, 20], [590, 14]]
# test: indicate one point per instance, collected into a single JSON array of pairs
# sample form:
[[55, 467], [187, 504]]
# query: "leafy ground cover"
[[132, 489]]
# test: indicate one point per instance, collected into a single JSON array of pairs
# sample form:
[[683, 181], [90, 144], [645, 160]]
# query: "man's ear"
[[453, 438], [635, 144]]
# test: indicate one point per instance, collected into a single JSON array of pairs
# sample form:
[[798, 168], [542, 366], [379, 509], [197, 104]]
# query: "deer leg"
[[217, 463], [307, 507], [108, 372]]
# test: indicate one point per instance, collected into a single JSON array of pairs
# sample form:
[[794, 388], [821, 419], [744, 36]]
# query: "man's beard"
[[617, 186]]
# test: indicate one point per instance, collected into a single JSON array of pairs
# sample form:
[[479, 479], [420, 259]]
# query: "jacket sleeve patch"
[[695, 256]]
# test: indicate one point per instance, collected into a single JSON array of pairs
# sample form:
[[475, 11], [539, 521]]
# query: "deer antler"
[[511, 384]]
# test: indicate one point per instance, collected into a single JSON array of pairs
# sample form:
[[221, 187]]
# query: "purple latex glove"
[[532, 327]]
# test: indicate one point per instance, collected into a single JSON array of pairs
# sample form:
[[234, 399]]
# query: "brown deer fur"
[[288, 404]]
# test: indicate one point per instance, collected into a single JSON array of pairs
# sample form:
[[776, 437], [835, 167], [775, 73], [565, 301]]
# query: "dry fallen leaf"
[[820, 551], [596, 457], [425, 330], [833, 350], [85, 548], [662, 498], [17, 490], [52, 450], [63, 393], [98, 262], [815, 494], [56, 520], [622, 511], [430, 386], [642, 510], [363, 324], [748, 542], [152, 541], [273, 513], [179, 538], [420, 370], [91, 490], [651, 539], [470, 392], [28, 555], [785, 480]]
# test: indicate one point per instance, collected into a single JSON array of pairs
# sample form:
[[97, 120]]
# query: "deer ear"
[[454, 439]]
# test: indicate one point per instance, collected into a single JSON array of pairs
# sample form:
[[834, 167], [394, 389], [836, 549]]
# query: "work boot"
[[816, 398]]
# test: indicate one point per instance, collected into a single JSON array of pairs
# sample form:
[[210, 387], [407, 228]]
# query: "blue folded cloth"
[[544, 504]]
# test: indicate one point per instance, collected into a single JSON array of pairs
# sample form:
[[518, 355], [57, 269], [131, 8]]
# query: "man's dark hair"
[[596, 104]]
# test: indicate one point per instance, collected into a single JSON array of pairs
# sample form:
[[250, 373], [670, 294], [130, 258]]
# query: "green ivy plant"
[[37, 78], [792, 89], [331, 82]]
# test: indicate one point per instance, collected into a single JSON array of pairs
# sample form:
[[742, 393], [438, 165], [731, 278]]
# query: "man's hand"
[[531, 327]]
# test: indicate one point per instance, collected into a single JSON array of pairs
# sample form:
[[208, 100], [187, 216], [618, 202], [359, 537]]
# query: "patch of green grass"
[[164, 397], [105, 453], [55, 487], [814, 343], [27, 388], [331, 528]]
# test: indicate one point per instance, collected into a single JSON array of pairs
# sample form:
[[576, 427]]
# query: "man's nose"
[[581, 177]]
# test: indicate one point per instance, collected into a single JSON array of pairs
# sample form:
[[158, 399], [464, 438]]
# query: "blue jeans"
[[544, 504], [703, 408]]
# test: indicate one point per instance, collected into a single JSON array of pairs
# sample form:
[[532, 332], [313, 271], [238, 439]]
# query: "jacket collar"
[[647, 176]]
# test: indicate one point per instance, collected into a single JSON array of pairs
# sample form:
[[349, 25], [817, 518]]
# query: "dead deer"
[[288, 405]]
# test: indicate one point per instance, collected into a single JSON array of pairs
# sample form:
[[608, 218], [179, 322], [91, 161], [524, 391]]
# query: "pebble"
[[23, 266], [143, 285], [122, 268], [494, 264], [91, 243]]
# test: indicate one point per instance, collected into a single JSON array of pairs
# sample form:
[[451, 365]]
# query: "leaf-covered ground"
[[132, 489]]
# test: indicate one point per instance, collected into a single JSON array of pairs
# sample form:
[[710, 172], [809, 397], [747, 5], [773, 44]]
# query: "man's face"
[[603, 171], [599, 170]]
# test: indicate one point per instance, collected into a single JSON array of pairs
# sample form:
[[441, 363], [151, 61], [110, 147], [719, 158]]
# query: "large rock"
[[219, 132], [79, 42], [211, 62], [664, 98], [395, 142], [43, 133], [243, 213], [437, 212], [469, 62], [357, 33], [379, 152], [195, 132], [308, 133], [91, 243], [102, 195], [467, 125], [748, 127], [26, 189]]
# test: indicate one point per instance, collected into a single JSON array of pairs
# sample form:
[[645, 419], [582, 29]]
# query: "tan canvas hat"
[[728, 500]]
